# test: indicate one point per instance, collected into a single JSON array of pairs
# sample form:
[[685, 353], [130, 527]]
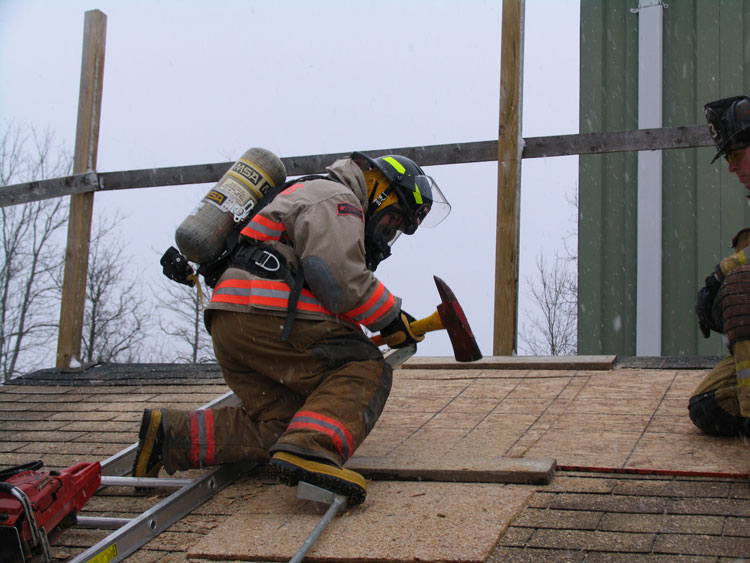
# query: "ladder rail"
[[127, 539], [121, 463]]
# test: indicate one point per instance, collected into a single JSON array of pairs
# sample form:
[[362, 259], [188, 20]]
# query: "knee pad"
[[336, 352], [734, 297], [707, 415]]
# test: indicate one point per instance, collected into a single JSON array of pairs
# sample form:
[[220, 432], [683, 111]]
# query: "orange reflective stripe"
[[379, 303], [268, 293], [387, 305], [334, 429], [202, 438], [235, 283], [263, 229], [367, 304]]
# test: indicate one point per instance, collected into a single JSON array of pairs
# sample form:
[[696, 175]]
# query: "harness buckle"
[[265, 259]]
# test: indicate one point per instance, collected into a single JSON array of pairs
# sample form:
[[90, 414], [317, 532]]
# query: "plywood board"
[[398, 522], [466, 469]]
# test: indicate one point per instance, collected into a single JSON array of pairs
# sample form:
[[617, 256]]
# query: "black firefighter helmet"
[[401, 198], [729, 123]]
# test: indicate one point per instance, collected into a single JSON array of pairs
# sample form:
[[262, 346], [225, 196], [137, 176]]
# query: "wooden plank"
[[455, 153], [680, 137], [514, 362], [510, 145], [474, 469], [82, 205]]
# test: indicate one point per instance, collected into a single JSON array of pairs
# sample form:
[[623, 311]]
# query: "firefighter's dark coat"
[[721, 403]]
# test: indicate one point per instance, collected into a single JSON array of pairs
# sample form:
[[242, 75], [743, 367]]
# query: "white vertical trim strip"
[[649, 246]]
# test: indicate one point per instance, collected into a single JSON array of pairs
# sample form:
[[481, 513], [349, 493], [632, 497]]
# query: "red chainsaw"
[[35, 505]]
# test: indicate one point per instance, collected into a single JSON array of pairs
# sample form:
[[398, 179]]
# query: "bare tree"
[[185, 311], [32, 263], [115, 316], [30, 252], [552, 329]]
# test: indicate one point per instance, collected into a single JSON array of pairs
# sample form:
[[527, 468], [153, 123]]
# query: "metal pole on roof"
[[82, 205], [510, 147]]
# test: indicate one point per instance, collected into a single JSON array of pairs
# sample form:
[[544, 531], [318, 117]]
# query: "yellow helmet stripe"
[[400, 169], [395, 163], [417, 194]]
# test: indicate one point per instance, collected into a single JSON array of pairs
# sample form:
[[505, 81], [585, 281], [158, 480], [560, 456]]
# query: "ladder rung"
[[145, 482], [103, 522]]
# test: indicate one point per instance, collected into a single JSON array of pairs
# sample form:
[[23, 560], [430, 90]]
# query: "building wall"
[[706, 56]]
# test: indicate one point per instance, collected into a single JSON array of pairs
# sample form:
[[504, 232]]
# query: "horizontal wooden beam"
[[618, 141], [430, 155]]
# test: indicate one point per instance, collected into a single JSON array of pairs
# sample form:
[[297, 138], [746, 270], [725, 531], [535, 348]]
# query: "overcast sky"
[[193, 82]]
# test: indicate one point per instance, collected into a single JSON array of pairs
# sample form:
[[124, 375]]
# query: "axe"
[[450, 316]]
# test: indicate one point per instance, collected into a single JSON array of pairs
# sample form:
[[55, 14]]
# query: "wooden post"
[[82, 205], [509, 149]]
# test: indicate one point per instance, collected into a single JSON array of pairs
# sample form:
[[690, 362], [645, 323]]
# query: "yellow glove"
[[398, 333]]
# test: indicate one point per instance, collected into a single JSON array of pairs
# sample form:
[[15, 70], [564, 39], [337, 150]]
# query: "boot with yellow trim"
[[148, 457], [292, 469]]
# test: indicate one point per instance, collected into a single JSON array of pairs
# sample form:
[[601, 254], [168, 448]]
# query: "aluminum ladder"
[[132, 533]]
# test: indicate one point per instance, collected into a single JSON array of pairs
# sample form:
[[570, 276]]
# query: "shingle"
[[718, 546], [580, 418]]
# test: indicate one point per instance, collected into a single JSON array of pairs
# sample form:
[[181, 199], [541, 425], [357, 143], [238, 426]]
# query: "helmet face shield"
[[435, 207]]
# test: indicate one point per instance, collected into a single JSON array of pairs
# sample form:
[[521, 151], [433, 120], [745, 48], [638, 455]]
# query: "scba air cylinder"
[[201, 237]]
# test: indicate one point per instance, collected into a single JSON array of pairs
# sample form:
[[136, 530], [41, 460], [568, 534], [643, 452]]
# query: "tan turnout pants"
[[318, 395]]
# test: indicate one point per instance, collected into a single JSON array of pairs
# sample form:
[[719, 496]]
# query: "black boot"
[[148, 460]]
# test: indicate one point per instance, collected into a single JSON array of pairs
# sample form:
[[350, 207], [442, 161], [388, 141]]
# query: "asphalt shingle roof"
[[635, 480]]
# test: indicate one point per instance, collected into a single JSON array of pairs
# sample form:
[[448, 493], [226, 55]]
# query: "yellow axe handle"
[[418, 328]]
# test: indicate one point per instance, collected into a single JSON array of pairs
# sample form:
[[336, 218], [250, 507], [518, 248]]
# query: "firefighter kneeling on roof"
[[312, 384], [721, 403]]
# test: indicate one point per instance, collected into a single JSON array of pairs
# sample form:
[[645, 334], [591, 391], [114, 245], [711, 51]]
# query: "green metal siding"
[[608, 102], [706, 53]]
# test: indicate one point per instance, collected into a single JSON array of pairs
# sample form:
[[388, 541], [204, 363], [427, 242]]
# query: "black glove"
[[176, 267], [705, 300], [398, 333]]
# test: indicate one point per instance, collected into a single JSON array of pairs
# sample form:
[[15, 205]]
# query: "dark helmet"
[[729, 123], [401, 197]]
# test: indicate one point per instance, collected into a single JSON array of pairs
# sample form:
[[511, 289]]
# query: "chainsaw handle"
[[418, 328]]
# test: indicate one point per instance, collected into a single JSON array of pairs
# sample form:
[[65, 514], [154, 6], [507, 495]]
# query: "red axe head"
[[452, 316]]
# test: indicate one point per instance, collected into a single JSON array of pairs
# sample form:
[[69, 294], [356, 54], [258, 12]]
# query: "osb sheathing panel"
[[625, 418], [465, 468], [399, 521]]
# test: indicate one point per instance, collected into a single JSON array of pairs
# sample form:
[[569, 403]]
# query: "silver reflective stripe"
[[265, 230], [309, 299], [240, 291], [743, 376], [274, 293], [202, 435], [200, 421], [375, 306], [257, 293]]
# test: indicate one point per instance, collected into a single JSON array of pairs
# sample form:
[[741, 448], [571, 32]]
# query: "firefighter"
[[721, 403], [285, 322]]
